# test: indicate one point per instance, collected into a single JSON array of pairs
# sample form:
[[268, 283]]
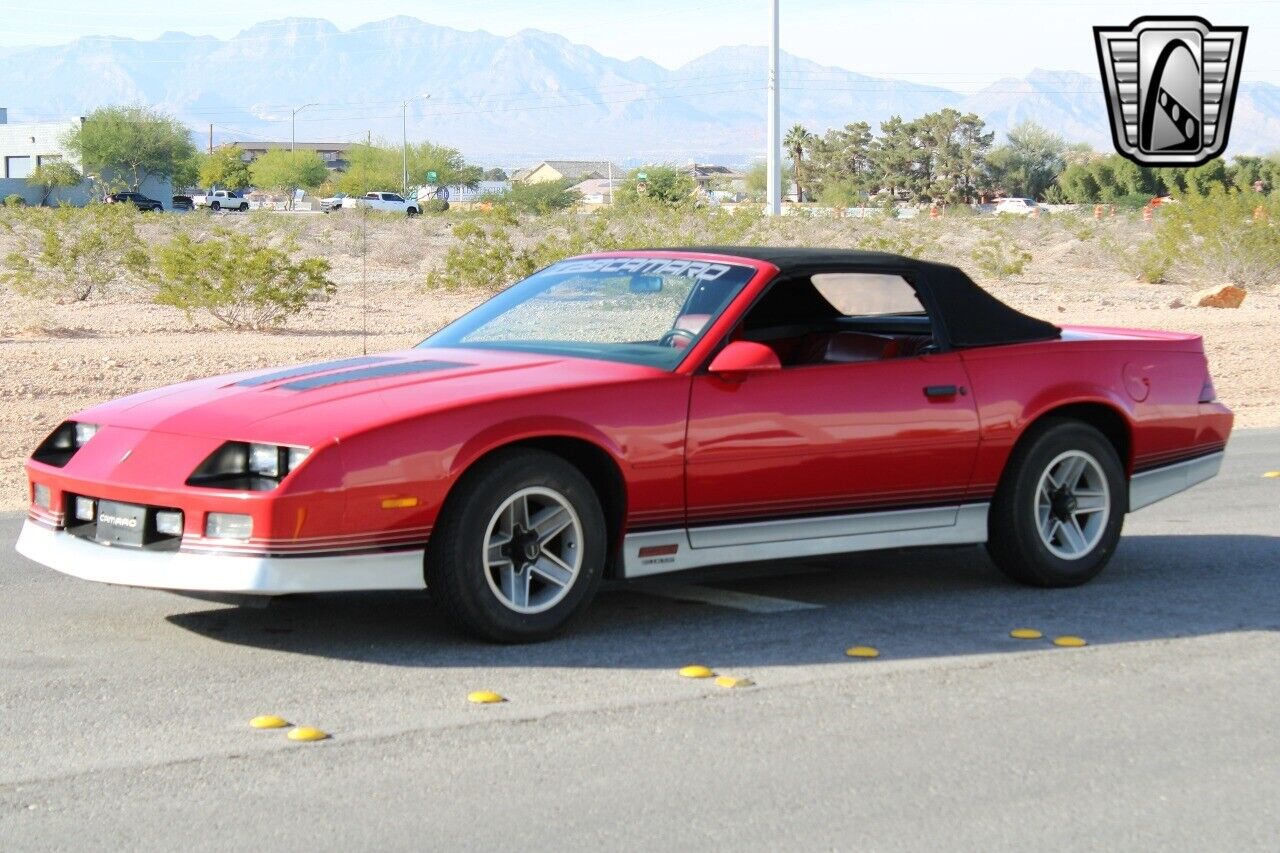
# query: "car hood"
[[323, 401]]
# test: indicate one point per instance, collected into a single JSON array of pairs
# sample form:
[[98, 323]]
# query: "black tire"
[[1014, 537], [215, 206], [412, 212], [456, 576], [244, 206]]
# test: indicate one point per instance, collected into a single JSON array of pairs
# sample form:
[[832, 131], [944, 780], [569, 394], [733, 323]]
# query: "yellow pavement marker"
[[485, 697], [731, 681], [307, 733], [1070, 642], [269, 721], [1272, 474], [1025, 634], [696, 670], [862, 652]]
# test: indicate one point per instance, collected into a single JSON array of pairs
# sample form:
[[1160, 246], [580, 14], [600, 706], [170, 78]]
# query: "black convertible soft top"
[[967, 314]]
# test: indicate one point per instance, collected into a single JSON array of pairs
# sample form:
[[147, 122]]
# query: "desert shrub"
[[1148, 259], [240, 280], [71, 253], [14, 200], [900, 240], [546, 197], [1224, 236], [435, 205], [999, 256], [484, 257], [490, 254]]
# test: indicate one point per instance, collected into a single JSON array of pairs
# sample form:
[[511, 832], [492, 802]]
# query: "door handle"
[[935, 392]]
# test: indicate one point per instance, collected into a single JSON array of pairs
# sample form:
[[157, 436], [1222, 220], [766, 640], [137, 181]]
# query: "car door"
[[829, 448]]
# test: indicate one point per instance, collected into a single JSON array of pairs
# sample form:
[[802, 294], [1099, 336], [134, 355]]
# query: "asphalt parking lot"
[[123, 713]]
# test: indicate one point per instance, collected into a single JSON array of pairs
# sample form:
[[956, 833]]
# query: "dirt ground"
[[57, 359]]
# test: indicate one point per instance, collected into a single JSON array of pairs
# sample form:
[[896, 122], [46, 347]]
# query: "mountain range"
[[515, 100]]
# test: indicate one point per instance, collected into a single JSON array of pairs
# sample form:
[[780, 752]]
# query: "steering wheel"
[[671, 336]]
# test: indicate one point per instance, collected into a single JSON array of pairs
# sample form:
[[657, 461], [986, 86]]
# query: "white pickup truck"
[[385, 202], [220, 200]]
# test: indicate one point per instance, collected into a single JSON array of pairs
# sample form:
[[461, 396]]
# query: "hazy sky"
[[961, 44]]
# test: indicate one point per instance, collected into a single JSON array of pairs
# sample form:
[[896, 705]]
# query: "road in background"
[[123, 713]]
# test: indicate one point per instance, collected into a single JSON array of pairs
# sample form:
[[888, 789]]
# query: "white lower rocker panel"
[[255, 575], [840, 534], [1159, 483]]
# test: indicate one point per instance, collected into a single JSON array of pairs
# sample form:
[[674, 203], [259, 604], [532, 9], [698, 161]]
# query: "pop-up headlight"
[[248, 466], [63, 443]]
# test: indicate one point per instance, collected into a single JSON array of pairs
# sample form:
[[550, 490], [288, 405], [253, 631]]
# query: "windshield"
[[637, 310]]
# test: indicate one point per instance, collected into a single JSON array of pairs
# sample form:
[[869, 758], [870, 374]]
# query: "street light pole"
[[773, 170], [293, 127], [404, 137]]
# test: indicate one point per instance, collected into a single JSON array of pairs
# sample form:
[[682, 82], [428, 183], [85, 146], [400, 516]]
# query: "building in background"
[[573, 170], [597, 191], [27, 145], [334, 154]]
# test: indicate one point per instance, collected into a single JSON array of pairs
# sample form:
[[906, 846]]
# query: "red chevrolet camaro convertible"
[[633, 413]]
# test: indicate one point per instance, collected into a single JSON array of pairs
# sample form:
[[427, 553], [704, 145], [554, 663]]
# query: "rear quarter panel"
[[1153, 380]]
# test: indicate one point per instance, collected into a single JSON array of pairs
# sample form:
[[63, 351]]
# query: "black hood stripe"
[[306, 369], [400, 368]]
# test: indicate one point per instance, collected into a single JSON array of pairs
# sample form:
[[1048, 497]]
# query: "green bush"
[[435, 205], [999, 256], [14, 200], [1148, 260], [483, 258], [71, 253], [538, 199], [239, 279], [901, 241], [1224, 236]]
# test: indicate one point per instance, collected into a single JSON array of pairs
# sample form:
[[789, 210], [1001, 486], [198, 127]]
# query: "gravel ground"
[[58, 359]]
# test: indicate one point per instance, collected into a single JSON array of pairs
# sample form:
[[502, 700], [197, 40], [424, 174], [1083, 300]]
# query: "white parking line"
[[727, 598]]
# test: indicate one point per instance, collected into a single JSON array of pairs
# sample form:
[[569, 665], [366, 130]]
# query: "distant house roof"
[[300, 146], [597, 190], [576, 170]]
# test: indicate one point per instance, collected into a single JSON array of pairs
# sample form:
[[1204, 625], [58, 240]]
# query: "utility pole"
[[773, 169], [404, 136], [293, 128], [210, 138]]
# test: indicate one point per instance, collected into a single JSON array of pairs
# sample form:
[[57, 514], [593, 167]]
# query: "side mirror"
[[742, 357]]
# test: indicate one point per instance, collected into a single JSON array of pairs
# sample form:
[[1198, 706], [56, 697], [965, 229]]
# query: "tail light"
[[1207, 393]]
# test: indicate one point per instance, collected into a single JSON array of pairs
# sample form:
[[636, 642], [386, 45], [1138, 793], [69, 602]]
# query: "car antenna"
[[364, 265]]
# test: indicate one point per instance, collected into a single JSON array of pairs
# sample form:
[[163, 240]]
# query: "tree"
[[224, 168], [798, 142], [55, 174], [542, 198], [663, 185], [843, 157], [1029, 163], [131, 143], [494, 174], [757, 179], [288, 171], [379, 166]]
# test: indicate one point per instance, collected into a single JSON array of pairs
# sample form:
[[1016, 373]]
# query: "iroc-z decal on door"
[[1171, 85]]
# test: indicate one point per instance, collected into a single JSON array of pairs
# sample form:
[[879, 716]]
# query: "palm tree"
[[797, 142]]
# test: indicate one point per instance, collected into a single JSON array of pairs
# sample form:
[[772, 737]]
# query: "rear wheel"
[[520, 548], [1057, 516], [215, 207]]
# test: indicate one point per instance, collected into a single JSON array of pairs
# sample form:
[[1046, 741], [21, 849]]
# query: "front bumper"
[[220, 572]]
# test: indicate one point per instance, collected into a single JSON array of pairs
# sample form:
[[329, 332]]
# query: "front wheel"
[[520, 547], [215, 207], [1056, 517], [412, 212]]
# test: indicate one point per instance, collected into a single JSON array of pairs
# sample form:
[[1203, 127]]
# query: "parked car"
[[386, 202], [138, 200], [182, 202], [220, 200], [333, 202], [1019, 206], [634, 413]]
